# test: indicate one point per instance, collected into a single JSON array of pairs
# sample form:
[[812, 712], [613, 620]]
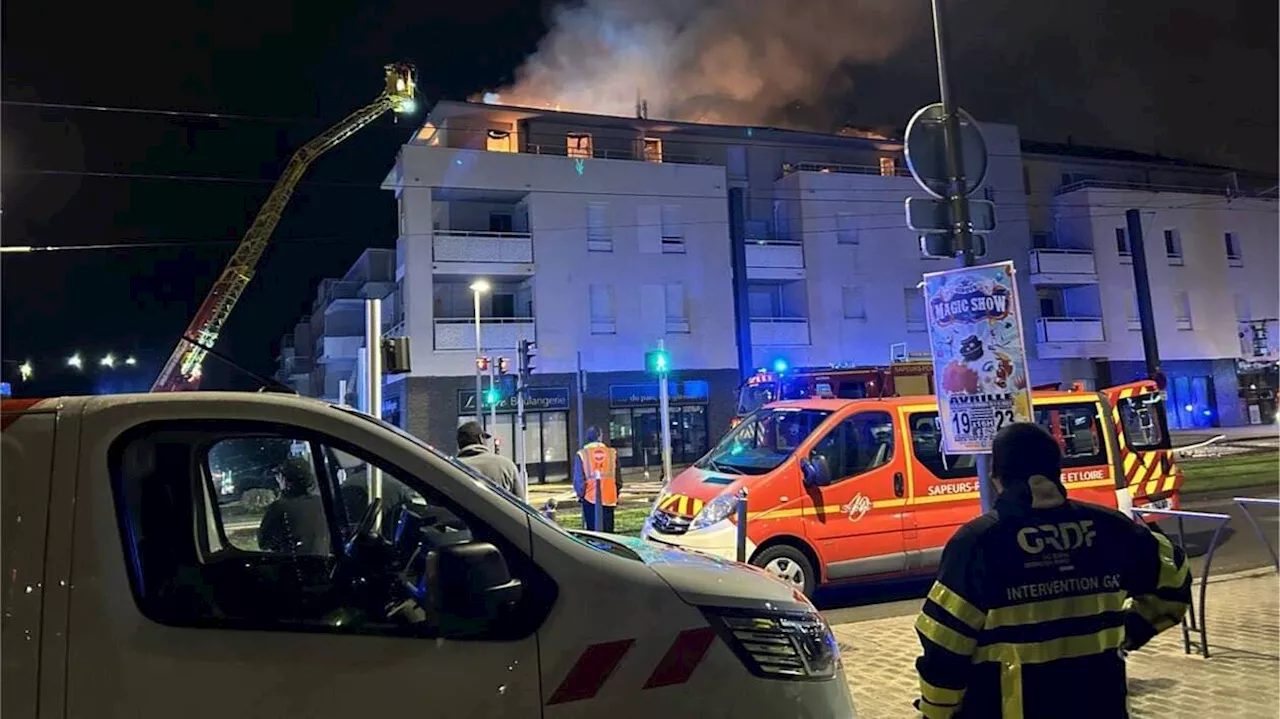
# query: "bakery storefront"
[[635, 427], [546, 430]]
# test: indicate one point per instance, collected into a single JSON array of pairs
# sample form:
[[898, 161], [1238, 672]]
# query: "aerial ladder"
[[183, 370]]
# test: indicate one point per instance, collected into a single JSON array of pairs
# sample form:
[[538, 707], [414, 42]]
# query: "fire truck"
[[899, 379]]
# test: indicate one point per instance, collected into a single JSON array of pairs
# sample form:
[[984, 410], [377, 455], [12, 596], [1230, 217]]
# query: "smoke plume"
[[726, 61]]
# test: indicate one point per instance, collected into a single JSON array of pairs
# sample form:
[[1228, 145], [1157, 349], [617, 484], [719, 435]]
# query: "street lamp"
[[477, 288], [25, 370], [131, 361], [75, 361], [109, 361]]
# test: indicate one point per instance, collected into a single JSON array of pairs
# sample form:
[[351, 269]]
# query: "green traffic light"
[[491, 397], [658, 361]]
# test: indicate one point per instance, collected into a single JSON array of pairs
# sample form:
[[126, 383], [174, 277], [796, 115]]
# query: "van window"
[[858, 444], [1078, 431], [926, 445], [763, 440], [1142, 420], [274, 518]]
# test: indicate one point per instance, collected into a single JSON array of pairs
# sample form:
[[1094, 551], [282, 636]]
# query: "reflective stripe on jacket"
[[1032, 607], [599, 463]]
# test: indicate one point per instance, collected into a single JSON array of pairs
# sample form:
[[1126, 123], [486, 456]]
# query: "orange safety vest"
[[599, 462]]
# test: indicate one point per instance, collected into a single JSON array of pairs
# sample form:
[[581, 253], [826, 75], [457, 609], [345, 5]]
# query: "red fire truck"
[[900, 379]]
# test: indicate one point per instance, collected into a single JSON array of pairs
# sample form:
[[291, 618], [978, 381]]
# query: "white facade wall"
[[642, 273]]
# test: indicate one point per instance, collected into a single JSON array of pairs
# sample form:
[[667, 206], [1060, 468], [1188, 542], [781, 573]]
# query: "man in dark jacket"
[[474, 451], [1036, 602], [295, 522]]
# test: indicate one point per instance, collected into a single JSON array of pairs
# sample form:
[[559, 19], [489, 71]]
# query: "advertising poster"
[[979, 357]]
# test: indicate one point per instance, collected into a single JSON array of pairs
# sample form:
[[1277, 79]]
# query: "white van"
[[145, 577]]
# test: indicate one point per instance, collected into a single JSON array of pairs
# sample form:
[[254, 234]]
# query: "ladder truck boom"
[[183, 369]]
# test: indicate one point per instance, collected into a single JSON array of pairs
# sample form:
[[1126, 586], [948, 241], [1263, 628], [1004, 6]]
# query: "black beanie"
[[1023, 450]]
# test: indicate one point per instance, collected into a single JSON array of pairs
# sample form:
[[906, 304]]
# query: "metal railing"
[[1191, 622], [483, 320], [607, 154], [827, 167], [1221, 187], [1044, 323], [486, 234]]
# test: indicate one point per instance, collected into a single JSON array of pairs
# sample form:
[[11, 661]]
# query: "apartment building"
[[1212, 254], [294, 358], [337, 326]]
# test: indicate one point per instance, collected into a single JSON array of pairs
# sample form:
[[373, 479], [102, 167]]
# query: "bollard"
[[599, 504], [549, 510], [742, 525]]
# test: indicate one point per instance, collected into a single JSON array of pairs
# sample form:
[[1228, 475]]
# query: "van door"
[[26, 471], [855, 522], [943, 489], [234, 579]]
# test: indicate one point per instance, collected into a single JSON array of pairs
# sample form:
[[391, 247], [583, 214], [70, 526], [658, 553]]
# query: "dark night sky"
[[1185, 78]]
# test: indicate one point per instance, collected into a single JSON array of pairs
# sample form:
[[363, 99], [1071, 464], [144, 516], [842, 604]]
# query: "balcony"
[[1055, 267], [331, 291], [1069, 337], [775, 260], [883, 169], [477, 246], [338, 349], [495, 333], [780, 331]]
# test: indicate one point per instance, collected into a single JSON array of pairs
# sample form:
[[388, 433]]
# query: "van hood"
[[689, 492], [706, 581]]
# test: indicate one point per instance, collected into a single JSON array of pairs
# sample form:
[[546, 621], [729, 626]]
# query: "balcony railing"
[[1198, 186], [333, 349], [1069, 329], [779, 331], [1063, 267], [331, 290], [495, 333], [775, 254], [607, 154], [478, 246], [826, 167]]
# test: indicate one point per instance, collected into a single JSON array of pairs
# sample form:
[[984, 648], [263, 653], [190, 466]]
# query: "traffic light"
[[657, 362], [528, 353], [503, 365], [492, 397], [482, 364], [395, 355]]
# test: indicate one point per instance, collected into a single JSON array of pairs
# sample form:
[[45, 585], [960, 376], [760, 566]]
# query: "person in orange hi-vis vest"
[[596, 465]]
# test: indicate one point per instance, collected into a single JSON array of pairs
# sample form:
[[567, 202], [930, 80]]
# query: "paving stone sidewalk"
[[1239, 679]]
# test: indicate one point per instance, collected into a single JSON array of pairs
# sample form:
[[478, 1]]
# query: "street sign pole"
[[664, 409], [521, 450], [580, 384], [373, 375], [493, 393]]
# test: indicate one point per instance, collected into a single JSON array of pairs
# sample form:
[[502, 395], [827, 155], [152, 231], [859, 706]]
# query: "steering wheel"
[[362, 529]]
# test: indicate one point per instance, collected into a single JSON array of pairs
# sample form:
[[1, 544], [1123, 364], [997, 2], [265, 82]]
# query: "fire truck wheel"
[[788, 564]]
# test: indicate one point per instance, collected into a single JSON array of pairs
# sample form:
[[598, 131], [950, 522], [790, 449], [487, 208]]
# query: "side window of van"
[[858, 444], [1078, 431], [285, 535], [926, 445]]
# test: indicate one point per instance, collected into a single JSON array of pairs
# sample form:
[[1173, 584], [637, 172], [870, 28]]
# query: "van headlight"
[[714, 511], [779, 645]]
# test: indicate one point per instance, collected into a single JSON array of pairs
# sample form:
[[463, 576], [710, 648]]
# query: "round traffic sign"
[[926, 150]]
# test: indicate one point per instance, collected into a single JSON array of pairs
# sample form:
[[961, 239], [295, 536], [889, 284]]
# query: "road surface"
[[1238, 549]]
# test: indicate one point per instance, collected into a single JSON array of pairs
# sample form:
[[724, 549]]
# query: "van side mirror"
[[468, 587], [816, 471]]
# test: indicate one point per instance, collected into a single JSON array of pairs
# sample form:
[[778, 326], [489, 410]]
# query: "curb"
[[1242, 574]]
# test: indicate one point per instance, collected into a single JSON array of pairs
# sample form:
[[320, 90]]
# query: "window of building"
[[578, 144], [651, 149], [846, 228], [603, 320], [677, 314], [599, 237], [272, 509], [1182, 308], [1131, 316], [1173, 246], [736, 161], [888, 167], [857, 445], [1232, 242], [913, 300], [1078, 431], [672, 229], [855, 307], [503, 305], [1122, 243], [501, 222], [498, 141], [764, 301], [1042, 240]]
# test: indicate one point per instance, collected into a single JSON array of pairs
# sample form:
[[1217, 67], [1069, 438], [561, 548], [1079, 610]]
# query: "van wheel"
[[788, 564]]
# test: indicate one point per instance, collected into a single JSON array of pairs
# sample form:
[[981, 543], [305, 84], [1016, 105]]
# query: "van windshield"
[[762, 441]]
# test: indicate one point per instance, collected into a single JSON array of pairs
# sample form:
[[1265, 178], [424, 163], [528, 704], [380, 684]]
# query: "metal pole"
[[580, 382], [664, 410], [373, 375], [479, 390], [493, 407], [742, 525], [961, 230], [599, 503], [1142, 284], [522, 460], [342, 392]]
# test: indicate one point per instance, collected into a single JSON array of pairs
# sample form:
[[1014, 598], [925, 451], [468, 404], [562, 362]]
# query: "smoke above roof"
[[721, 61]]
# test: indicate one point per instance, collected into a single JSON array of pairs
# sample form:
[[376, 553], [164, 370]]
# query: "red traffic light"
[[482, 363]]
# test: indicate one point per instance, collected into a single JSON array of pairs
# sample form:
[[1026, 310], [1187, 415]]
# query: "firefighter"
[[596, 467], [1036, 602]]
